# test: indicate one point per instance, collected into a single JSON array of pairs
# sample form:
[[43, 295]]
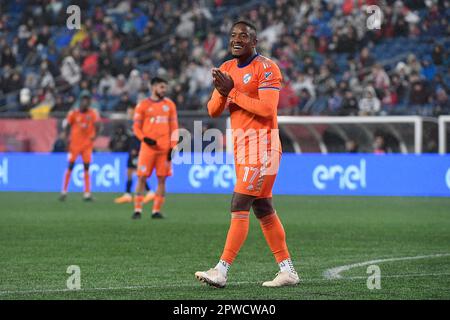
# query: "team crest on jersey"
[[165, 108], [267, 75], [247, 77]]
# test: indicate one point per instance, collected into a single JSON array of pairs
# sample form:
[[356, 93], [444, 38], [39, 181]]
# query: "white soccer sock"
[[223, 267], [287, 266]]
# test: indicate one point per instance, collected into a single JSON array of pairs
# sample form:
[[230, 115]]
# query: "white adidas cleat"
[[212, 277], [283, 279]]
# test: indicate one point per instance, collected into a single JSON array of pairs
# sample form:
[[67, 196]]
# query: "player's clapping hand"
[[149, 141], [222, 81]]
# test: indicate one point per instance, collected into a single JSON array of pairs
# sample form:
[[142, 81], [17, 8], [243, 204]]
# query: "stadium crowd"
[[331, 62]]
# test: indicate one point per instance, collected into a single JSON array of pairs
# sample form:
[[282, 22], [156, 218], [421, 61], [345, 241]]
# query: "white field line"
[[193, 284], [334, 273]]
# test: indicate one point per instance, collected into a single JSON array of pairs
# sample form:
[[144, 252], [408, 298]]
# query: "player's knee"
[[161, 180], [241, 202], [262, 207], [86, 166], [71, 165]]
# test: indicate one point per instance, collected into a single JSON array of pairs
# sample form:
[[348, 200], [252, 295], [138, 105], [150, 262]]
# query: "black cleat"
[[157, 215], [136, 215], [88, 199], [62, 197]]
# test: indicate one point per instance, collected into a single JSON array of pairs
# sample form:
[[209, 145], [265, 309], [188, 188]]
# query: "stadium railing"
[[443, 121], [316, 133]]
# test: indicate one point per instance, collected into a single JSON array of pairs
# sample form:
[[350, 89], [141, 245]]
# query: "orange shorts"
[[257, 179], [149, 160], [86, 154]]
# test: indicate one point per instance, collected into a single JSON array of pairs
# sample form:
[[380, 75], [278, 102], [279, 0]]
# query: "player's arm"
[[138, 125], [138, 122], [264, 106], [216, 104], [218, 101]]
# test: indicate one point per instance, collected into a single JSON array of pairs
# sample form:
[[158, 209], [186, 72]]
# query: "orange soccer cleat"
[[149, 197], [126, 198]]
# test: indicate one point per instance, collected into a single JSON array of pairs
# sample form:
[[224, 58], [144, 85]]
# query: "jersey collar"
[[152, 100], [248, 61]]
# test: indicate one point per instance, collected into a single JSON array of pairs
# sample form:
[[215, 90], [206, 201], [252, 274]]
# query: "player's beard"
[[160, 96]]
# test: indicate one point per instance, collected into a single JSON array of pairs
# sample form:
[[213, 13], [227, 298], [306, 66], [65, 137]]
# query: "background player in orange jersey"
[[156, 125], [83, 126], [249, 86]]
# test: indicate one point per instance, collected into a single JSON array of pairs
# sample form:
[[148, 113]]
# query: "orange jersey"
[[252, 104], [157, 120], [82, 127]]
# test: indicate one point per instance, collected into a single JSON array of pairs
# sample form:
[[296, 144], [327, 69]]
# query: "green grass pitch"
[[147, 259]]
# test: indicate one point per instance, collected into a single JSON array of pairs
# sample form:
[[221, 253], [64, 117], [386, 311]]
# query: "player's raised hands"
[[222, 81]]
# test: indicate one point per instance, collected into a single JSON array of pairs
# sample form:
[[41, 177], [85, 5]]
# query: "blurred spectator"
[[7, 58], [379, 146], [60, 105], [107, 83], [351, 146], [25, 100], [60, 144], [442, 102], [124, 104], [349, 106], [288, 100], [369, 105], [120, 86], [438, 55], [335, 102], [70, 70], [134, 82], [365, 59], [428, 70], [301, 82], [419, 94]]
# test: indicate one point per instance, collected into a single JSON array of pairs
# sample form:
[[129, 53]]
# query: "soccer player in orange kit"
[[84, 126], [156, 126], [249, 87]]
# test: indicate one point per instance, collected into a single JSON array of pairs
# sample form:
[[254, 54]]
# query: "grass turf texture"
[[147, 259]]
